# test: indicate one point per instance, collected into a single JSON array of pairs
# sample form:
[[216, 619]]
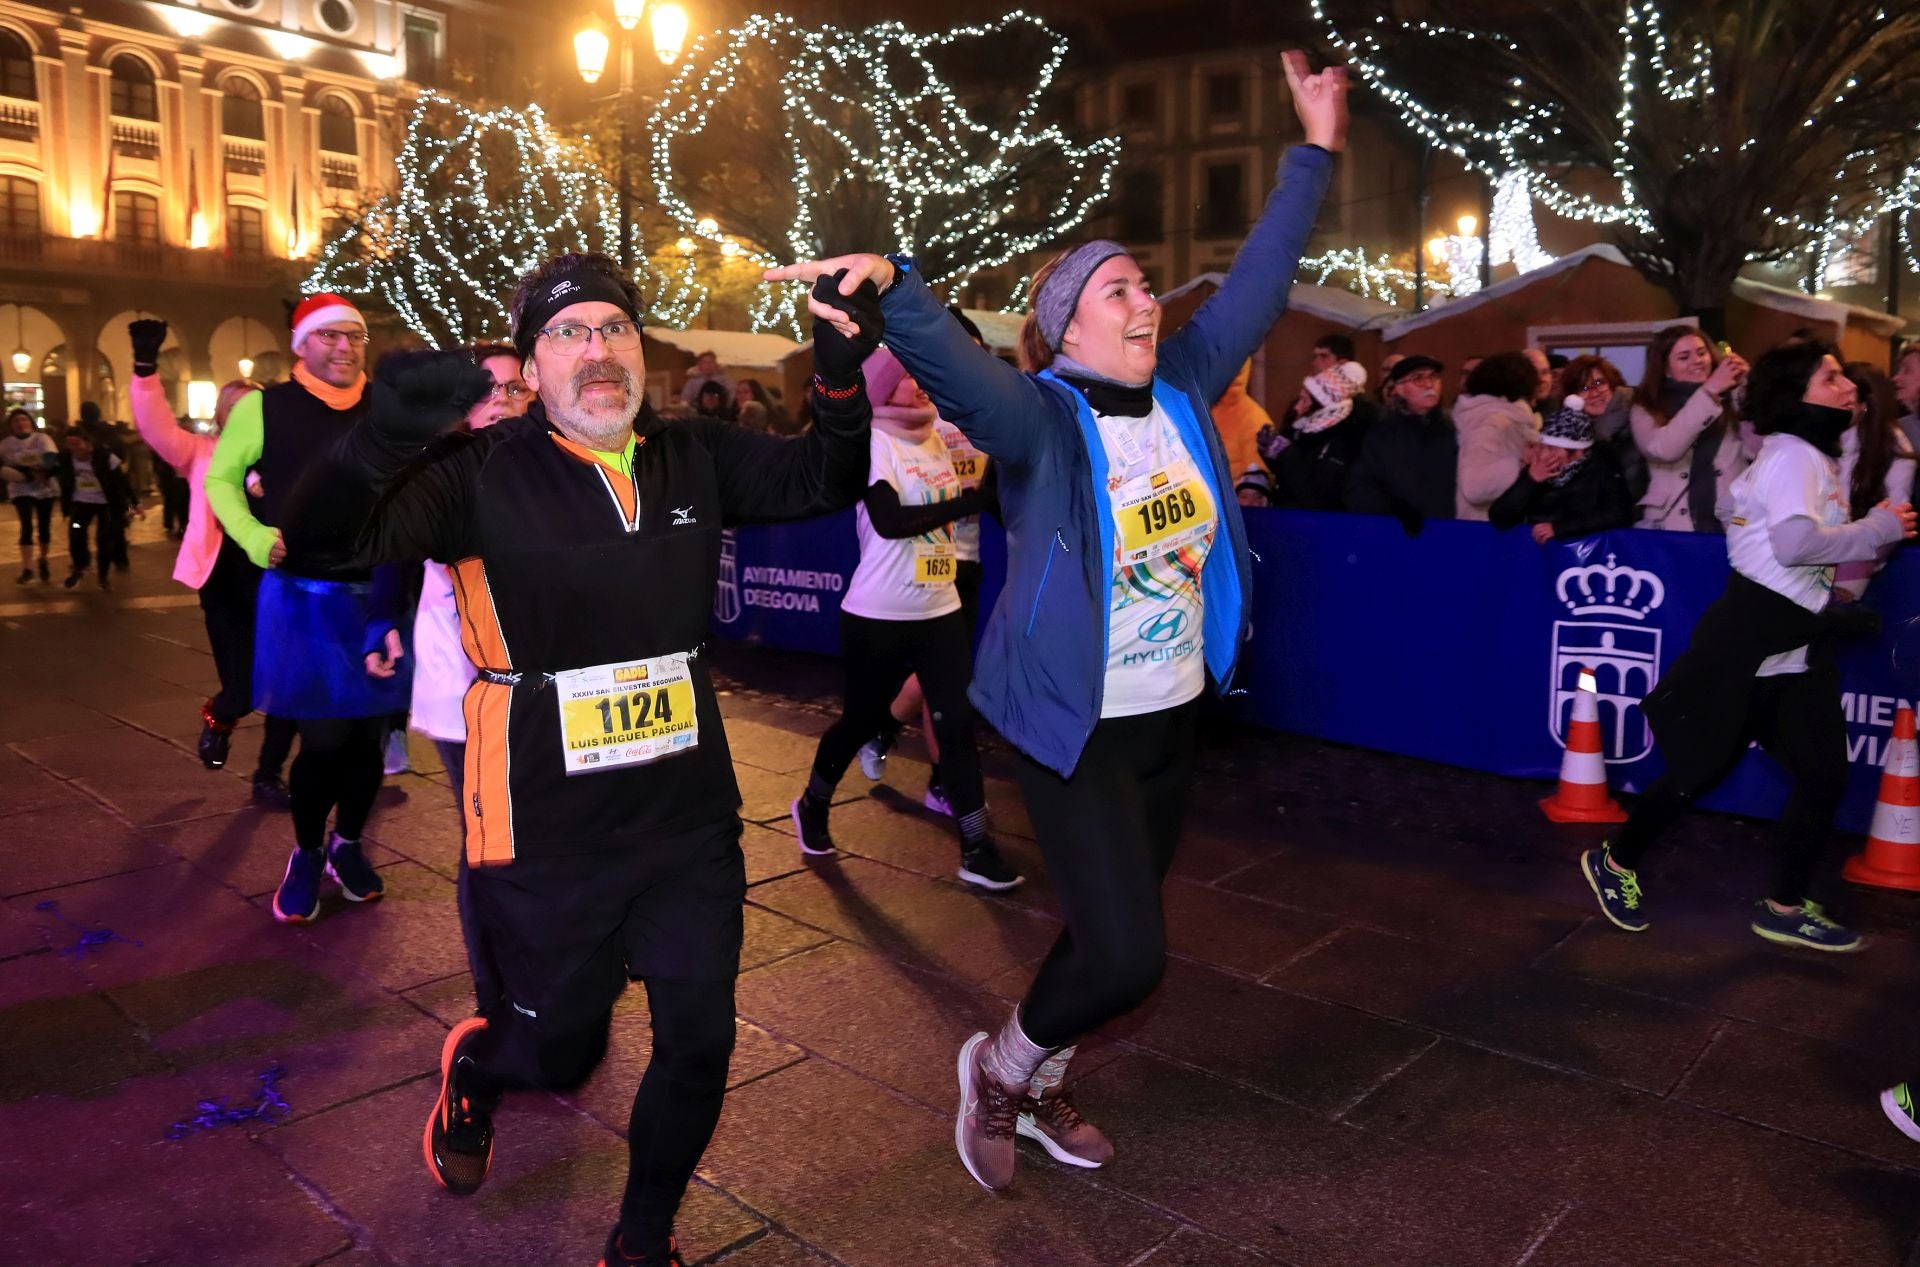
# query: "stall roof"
[[1330, 303], [1815, 308], [1499, 290], [735, 348]]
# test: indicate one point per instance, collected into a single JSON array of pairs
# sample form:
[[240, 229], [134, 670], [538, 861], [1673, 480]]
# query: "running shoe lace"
[[1629, 888], [999, 1109], [1816, 915], [1057, 1110]]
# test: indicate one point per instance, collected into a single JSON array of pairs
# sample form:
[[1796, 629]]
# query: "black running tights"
[[339, 769], [880, 655], [227, 603], [1797, 718], [675, 1110], [1108, 836]]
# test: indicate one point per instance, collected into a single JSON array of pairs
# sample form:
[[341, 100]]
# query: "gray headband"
[[1059, 295]]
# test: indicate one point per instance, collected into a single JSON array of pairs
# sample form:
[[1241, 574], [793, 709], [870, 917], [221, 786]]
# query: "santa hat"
[[323, 310]]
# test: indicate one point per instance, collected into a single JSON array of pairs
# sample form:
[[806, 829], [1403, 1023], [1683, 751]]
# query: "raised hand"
[[1730, 373], [146, 335], [422, 395], [858, 268], [838, 353], [1319, 99]]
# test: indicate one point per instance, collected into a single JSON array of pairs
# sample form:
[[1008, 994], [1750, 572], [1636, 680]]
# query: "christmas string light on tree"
[[482, 197], [1370, 276], [863, 139], [1692, 104]]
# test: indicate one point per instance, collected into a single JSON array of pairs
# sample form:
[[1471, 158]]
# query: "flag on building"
[[195, 234], [106, 192]]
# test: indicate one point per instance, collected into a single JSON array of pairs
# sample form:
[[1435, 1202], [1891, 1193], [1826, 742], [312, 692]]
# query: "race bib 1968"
[[1161, 512], [631, 713]]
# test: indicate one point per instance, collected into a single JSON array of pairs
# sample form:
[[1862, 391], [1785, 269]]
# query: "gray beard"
[[596, 431]]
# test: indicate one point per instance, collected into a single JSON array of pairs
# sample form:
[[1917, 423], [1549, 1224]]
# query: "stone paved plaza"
[[1395, 1033]]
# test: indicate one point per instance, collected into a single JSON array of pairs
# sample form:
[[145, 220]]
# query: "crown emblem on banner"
[[1609, 589]]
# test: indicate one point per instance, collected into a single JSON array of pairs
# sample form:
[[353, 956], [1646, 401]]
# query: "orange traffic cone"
[[1891, 859], [1582, 796]]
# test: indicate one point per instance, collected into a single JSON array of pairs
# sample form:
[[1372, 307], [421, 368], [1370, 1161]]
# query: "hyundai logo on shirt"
[[1163, 627]]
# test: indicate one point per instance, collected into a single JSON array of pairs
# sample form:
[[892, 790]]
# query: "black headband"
[[578, 286]]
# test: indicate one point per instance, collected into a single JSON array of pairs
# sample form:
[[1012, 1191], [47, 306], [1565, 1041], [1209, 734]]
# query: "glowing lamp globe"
[[590, 47], [669, 32]]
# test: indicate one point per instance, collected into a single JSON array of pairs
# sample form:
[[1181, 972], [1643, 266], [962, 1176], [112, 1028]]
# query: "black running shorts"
[[569, 931]]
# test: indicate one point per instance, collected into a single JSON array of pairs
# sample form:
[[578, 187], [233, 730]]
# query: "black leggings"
[[32, 511], [228, 601], [83, 515], [339, 767], [1108, 836], [880, 655], [674, 1111], [1797, 718]]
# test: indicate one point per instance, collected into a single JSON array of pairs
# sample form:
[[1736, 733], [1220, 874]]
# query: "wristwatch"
[[902, 265]]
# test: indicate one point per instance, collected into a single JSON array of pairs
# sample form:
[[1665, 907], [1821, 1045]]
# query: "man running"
[[321, 657], [601, 810]]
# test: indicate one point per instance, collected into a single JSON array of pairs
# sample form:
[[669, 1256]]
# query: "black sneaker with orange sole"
[[458, 1141], [615, 1254]]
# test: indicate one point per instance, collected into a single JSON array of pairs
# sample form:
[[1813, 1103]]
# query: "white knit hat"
[[1333, 390]]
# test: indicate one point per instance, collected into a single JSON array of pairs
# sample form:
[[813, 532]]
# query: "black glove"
[[1843, 621], [418, 396], [147, 335], [837, 358]]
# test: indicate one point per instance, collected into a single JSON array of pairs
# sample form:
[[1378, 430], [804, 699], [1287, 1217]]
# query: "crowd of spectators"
[[1562, 448]]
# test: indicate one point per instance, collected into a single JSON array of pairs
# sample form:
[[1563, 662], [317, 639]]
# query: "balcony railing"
[[339, 171], [136, 140], [49, 255], [247, 157], [19, 120]]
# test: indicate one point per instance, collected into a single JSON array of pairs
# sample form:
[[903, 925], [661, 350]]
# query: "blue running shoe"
[[298, 898], [1806, 925], [1617, 889], [358, 881]]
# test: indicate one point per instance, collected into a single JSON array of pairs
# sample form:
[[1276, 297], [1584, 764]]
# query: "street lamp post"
[[668, 27]]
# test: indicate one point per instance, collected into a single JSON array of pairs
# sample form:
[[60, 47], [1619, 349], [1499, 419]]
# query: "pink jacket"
[[187, 453]]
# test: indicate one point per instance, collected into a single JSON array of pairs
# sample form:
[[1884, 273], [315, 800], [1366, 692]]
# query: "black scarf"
[[1703, 480], [1106, 395], [1821, 426]]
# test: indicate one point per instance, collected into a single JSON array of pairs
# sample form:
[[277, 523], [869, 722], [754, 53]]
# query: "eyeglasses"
[[339, 338], [509, 392], [571, 338], [1422, 378]]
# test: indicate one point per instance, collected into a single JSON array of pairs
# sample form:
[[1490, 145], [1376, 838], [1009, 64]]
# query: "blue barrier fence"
[[1461, 645]]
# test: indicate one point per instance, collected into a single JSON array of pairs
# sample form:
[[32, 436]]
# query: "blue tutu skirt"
[[309, 652]]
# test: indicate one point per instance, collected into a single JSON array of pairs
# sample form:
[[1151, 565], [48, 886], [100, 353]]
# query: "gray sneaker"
[[873, 759], [983, 1128]]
